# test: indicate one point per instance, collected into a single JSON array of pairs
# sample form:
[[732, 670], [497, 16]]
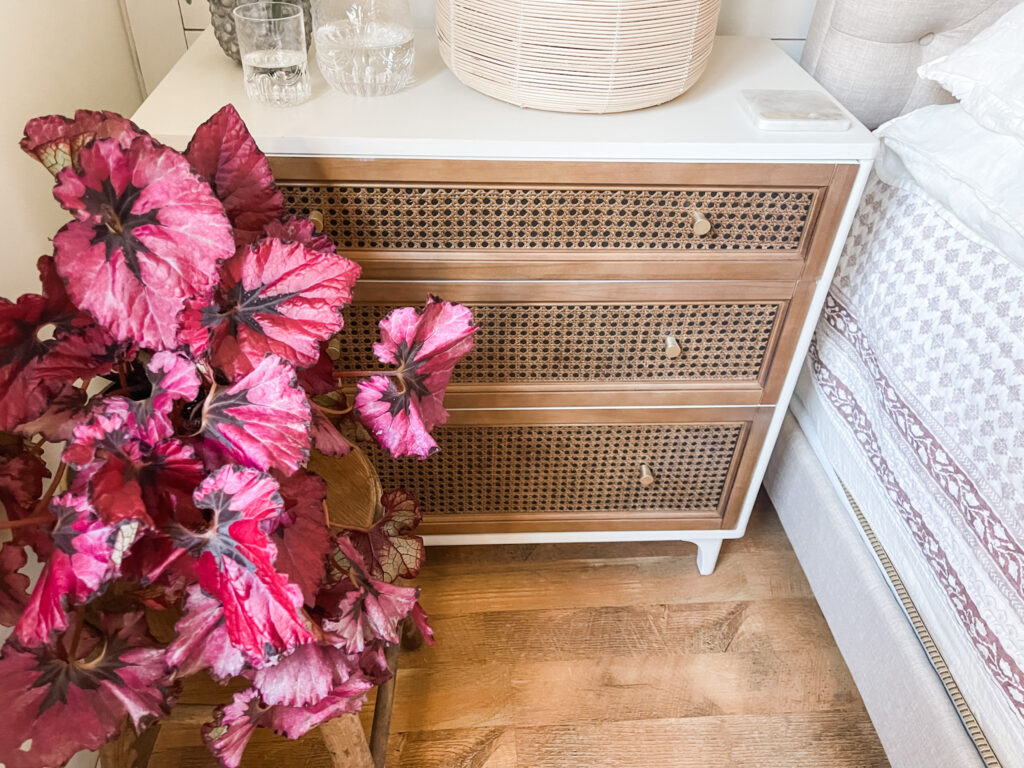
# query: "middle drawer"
[[699, 342]]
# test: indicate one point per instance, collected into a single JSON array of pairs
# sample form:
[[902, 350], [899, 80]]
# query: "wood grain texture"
[[606, 656]]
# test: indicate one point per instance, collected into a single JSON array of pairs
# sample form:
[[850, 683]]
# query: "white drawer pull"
[[672, 349], [646, 478], [701, 225]]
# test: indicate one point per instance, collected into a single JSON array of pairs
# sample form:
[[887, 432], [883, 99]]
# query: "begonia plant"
[[176, 356]]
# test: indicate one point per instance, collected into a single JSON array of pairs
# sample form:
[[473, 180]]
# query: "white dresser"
[[646, 283]]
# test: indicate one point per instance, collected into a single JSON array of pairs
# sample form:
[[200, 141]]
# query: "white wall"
[[66, 54]]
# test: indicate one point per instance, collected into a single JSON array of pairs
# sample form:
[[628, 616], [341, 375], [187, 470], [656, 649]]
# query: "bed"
[[899, 473]]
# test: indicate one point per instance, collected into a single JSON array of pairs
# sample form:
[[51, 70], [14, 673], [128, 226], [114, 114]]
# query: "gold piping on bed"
[[966, 715]]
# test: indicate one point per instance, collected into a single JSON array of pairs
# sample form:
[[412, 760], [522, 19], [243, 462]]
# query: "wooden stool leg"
[[346, 742], [382, 710]]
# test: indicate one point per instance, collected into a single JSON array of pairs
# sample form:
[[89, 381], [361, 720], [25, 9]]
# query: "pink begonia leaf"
[[87, 556], [224, 153], [130, 465], [174, 377], [294, 229], [359, 609], [326, 437], [305, 676], [262, 420], [65, 412], [13, 583], [21, 485], [34, 371], [55, 140], [234, 723], [148, 234], [303, 539], [419, 618], [318, 379], [389, 549], [262, 610], [400, 410], [373, 662], [276, 298], [52, 705], [202, 640]]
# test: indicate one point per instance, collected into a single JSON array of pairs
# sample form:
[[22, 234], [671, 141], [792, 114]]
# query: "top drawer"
[[424, 219]]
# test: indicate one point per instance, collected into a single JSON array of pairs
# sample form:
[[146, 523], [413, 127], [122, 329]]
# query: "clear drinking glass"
[[364, 47], [272, 42]]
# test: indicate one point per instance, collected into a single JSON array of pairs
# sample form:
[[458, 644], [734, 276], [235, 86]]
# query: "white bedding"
[[914, 388]]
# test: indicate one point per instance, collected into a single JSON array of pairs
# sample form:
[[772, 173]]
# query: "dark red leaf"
[[55, 140], [21, 485], [223, 152], [326, 437], [148, 235], [235, 723], [13, 583], [400, 410], [276, 298], [53, 705], [262, 610], [262, 420], [302, 539], [202, 640], [37, 366], [318, 379], [65, 412], [87, 556], [389, 549]]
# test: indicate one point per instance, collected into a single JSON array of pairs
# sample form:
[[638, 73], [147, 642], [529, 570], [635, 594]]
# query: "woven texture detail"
[[587, 342], [570, 470], [457, 218]]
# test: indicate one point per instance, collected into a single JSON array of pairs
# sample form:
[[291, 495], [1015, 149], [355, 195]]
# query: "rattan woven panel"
[[569, 470], [515, 218], [594, 342]]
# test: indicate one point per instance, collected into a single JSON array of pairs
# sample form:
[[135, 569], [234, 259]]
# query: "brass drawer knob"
[[317, 217], [701, 225], [672, 350], [646, 478]]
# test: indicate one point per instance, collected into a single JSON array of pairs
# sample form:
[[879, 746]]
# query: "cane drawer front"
[[604, 469], [424, 219], [612, 335]]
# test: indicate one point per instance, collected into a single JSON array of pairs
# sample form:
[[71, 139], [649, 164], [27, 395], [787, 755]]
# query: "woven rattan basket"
[[578, 55]]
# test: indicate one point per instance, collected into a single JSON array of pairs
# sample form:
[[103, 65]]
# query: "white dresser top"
[[440, 117]]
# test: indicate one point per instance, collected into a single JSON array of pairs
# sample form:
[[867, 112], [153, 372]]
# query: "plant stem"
[[45, 501], [333, 411], [343, 527], [8, 525], [363, 374], [80, 615]]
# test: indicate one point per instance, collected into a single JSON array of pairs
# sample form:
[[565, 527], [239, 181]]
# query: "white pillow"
[[977, 175], [987, 74]]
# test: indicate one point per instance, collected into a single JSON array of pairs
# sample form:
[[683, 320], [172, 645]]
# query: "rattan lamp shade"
[[578, 55]]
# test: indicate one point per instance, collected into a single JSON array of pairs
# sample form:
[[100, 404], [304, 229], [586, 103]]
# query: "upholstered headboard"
[[866, 52]]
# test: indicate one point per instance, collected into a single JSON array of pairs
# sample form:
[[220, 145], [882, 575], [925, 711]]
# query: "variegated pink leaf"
[[202, 640], [148, 235], [53, 704], [359, 609], [294, 229], [262, 610], [55, 140], [401, 409], [87, 556], [277, 298], [234, 723], [302, 538], [56, 424], [305, 676], [224, 153], [262, 420], [13, 583]]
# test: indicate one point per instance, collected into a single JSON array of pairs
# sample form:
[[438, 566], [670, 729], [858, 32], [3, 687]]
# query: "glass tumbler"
[[272, 43], [364, 47]]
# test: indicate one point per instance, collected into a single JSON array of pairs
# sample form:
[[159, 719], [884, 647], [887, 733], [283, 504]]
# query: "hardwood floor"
[[610, 656]]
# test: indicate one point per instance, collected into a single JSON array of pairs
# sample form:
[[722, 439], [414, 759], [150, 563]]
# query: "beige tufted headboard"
[[866, 52]]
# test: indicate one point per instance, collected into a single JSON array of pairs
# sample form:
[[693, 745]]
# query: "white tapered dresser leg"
[[707, 555]]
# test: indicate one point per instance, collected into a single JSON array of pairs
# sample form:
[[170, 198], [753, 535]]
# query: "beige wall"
[[67, 54]]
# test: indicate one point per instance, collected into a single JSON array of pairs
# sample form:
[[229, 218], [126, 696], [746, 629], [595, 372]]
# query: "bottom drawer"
[[565, 470]]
